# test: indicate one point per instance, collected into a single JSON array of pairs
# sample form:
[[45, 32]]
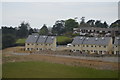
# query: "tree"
[[82, 23], [98, 23], [9, 30], [115, 24], [105, 25], [59, 27], [44, 30], [8, 40], [23, 30], [91, 23], [31, 31], [70, 24]]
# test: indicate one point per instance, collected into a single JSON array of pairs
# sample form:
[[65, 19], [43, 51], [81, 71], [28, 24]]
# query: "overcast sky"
[[39, 13]]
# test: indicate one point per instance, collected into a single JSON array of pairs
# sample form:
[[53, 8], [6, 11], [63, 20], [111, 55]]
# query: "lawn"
[[52, 70], [21, 41], [62, 38]]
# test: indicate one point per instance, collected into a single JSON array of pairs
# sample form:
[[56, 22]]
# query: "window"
[[91, 45], [74, 45], [95, 51], [37, 48], [83, 50], [28, 44], [87, 46], [117, 52], [104, 46], [83, 45], [40, 48], [99, 46], [95, 45], [37, 44], [116, 46], [27, 48]]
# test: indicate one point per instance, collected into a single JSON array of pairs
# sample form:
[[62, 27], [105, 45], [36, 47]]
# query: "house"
[[77, 43], [30, 43], [117, 45], [36, 42], [95, 31], [97, 45]]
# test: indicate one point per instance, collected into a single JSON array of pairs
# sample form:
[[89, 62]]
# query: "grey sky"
[[39, 13]]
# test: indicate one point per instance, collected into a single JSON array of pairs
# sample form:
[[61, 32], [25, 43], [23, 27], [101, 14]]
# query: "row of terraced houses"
[[99, 45]]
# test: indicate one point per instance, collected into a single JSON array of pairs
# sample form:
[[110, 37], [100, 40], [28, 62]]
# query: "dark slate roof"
[[97, 41], [50, 39], [117, 41], [42, 39], [91, 40], [32, 38], [78, 40]]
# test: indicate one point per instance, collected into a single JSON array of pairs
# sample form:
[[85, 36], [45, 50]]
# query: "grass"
[[63, 38], [21, 41], [51, 70]]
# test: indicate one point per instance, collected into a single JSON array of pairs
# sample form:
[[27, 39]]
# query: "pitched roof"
[[41, 39], [97, 41], [117, 41], [91, 40], [36, 38], [50, 39], [78, 40], [32, 38]]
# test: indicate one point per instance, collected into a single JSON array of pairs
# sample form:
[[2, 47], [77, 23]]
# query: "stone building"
[[36, 42], [117, 45], [102, 45]]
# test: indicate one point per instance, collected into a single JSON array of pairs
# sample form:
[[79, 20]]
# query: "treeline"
[[10, 34], [61, 27], [65, 27]]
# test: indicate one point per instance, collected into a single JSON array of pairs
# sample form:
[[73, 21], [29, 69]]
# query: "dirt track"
[[8, 57]]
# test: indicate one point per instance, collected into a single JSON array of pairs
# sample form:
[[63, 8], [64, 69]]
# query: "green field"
[[20, 41], [63, 38], [52, 70]]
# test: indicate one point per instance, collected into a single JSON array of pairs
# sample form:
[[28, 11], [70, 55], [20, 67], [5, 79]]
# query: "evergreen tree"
[[44, 30]]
